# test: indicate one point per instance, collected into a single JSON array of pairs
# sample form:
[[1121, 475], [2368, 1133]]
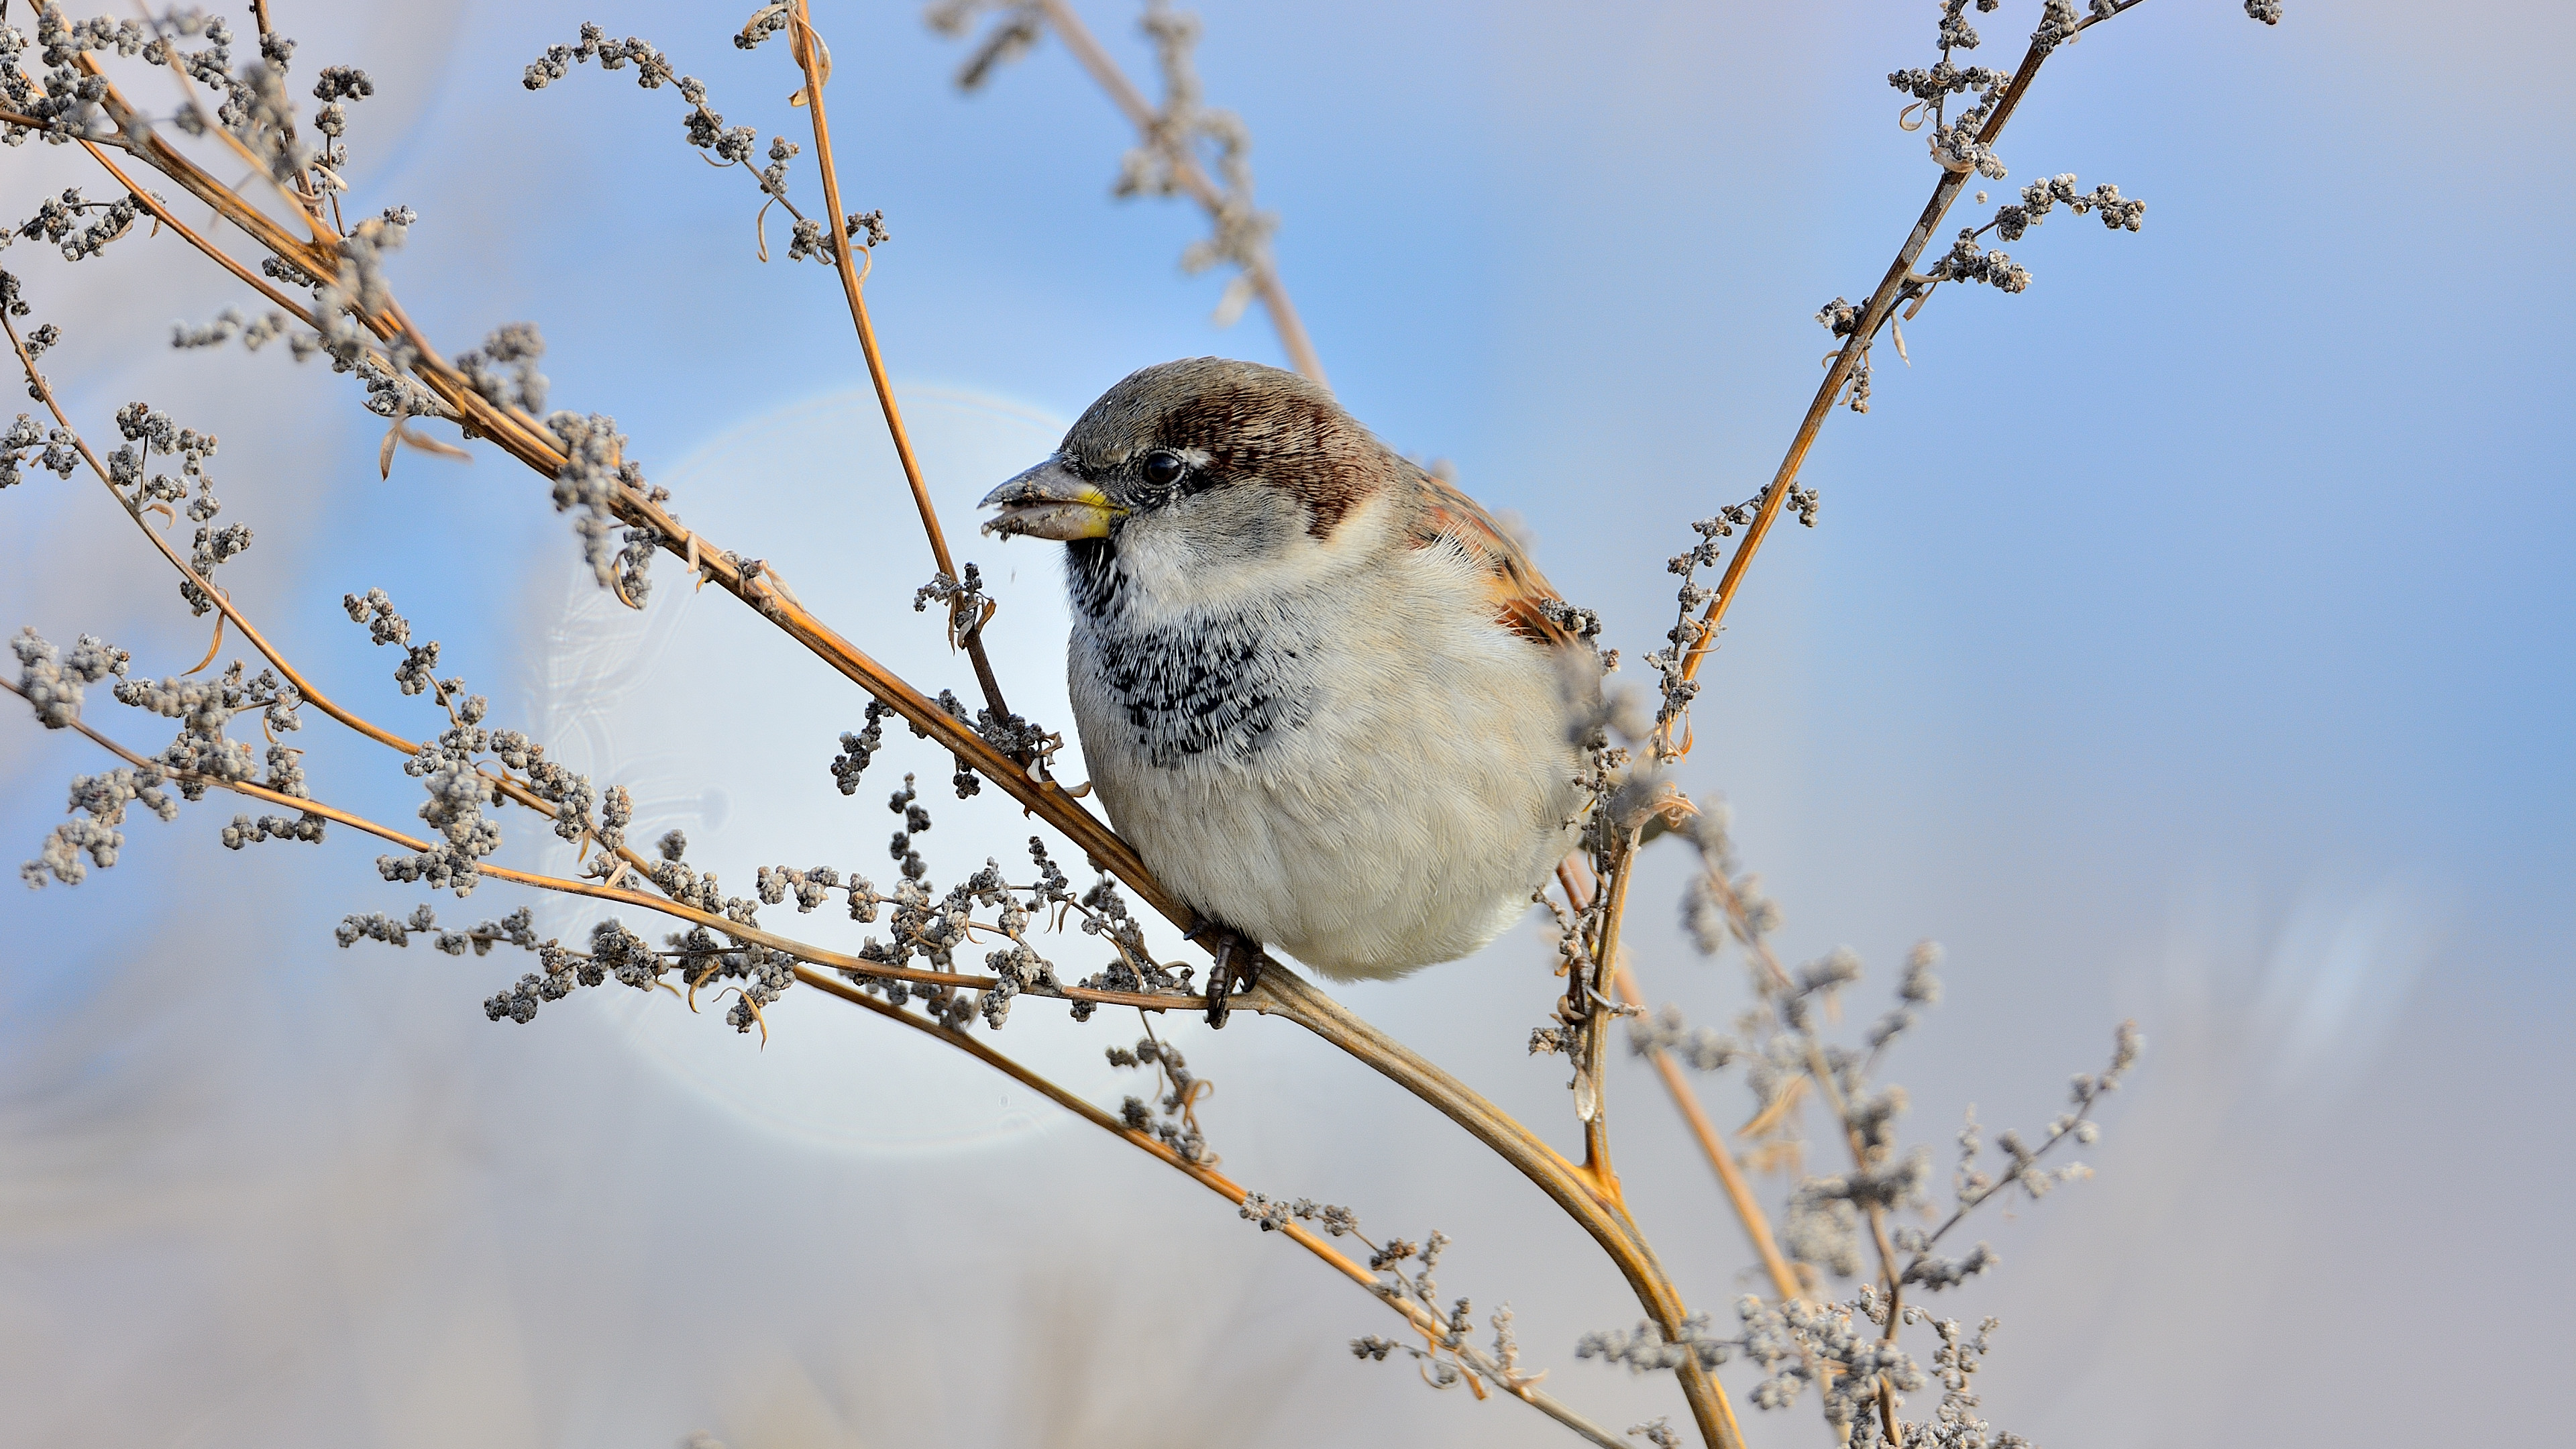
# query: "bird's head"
[[1203, 469]]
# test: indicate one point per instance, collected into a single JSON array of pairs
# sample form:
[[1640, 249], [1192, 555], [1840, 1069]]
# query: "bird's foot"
[[1238, 967]]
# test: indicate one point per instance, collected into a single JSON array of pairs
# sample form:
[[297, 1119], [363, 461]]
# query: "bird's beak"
[[1050, 501]]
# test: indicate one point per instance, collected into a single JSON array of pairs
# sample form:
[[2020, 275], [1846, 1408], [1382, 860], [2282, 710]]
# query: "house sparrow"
[[1330, 703]]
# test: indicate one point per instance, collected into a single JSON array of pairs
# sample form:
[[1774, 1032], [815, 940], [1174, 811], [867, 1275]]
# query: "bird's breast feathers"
[[1365, 760]]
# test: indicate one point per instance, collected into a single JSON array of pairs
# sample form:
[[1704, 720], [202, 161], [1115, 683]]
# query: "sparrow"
[[1330, 702]]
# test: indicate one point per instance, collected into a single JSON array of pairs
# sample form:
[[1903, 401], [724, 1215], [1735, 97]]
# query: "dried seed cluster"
[[1834, 1220], [723, 145]]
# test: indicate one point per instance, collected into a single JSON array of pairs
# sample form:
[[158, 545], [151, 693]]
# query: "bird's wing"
[[1518, 591]]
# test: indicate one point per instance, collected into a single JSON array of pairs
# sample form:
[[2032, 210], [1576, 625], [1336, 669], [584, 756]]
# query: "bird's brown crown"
[[1235, 423]]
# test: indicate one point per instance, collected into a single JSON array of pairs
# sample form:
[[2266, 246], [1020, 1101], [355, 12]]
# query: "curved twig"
[[815, 60], [1282, 992], [1141, 114], [1881, 303]]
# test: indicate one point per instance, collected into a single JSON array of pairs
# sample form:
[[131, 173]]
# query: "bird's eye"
[[1163, 468]]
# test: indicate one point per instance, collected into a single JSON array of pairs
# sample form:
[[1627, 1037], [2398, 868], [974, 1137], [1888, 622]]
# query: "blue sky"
[[2186, 638]]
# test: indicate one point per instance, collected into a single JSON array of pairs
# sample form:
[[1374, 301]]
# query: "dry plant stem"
[[1414, 1314], [802, 40], [530, 444], [298, 200], [1283, 993], [314, 257], [1821, 1072], [162, 215], [1577, 884], [38, 123], [1730, 1173], [233, 614], [1140, 113], [515, 431], [1712, 1144], [299, 197], [1596, 1023], [1881, 303], [45, 393]]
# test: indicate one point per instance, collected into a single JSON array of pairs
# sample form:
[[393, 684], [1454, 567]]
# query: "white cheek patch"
[[1235, 548], [1304, 561]]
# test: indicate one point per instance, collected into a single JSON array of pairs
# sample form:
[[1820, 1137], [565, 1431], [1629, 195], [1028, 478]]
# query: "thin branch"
[[146, 144], [1821, 1072], [45, 393], [1881, 304], [1193, 178], [812, 56], [1596, 1016], [39, 124], [220, 257], [1971, 1201], [1730, 1174], [299, 197]]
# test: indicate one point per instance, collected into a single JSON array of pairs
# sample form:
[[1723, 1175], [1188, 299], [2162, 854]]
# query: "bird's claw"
[[1234, 956]]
